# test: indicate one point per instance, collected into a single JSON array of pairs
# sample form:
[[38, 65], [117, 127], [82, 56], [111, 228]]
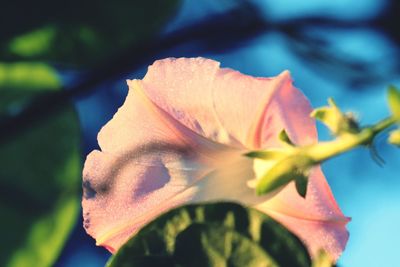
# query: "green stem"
[[326, 150], [383, 124]]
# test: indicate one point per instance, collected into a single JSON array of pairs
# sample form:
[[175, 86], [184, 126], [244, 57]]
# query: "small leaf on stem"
[[394, 101], [284, 137]]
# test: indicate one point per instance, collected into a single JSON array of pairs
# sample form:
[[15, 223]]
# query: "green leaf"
[[394, 137], [79, 34], [214, 245], [394, 101], [335, 119], [289, 169], [39, 174], [213, 234], [30, 76], [33, 43]]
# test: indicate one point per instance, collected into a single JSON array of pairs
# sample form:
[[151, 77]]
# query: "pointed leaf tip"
[[332, 103], [284, 137], [301, 182]]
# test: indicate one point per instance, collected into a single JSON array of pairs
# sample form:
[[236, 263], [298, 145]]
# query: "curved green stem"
[[384, 124], [325, 150]]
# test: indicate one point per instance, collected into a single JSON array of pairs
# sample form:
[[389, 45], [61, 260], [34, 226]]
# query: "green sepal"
[[394, 101], [284, 137], [337, 121], [301, 181], [289, 169]]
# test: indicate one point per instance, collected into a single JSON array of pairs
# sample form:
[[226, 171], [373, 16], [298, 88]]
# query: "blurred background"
[[62, 77]]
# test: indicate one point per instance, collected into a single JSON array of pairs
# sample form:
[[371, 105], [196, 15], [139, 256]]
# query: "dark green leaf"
[[39, 174], [214, 245], [78, 33], [214, 234]]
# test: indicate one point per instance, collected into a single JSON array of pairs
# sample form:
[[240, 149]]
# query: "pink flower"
[[180, 137]]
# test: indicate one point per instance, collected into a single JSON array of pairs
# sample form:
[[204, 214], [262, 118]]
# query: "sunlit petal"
[[180, 138]]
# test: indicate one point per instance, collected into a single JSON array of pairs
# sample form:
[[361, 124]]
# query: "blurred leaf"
[[394, 101], [394, 137], [39, 174], [24, 75], [214, 234], [78, 33], [33, 43]]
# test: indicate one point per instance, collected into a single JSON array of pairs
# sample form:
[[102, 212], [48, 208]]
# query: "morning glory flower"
[[180, 138]]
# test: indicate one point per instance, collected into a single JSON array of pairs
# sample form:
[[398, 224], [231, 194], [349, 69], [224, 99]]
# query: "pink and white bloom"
[[180, 137]]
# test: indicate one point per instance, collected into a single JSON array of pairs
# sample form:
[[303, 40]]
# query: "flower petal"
[[287, 109], [121, 194], [148, 164], [179, 138], [217, 103], [317, 219]]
